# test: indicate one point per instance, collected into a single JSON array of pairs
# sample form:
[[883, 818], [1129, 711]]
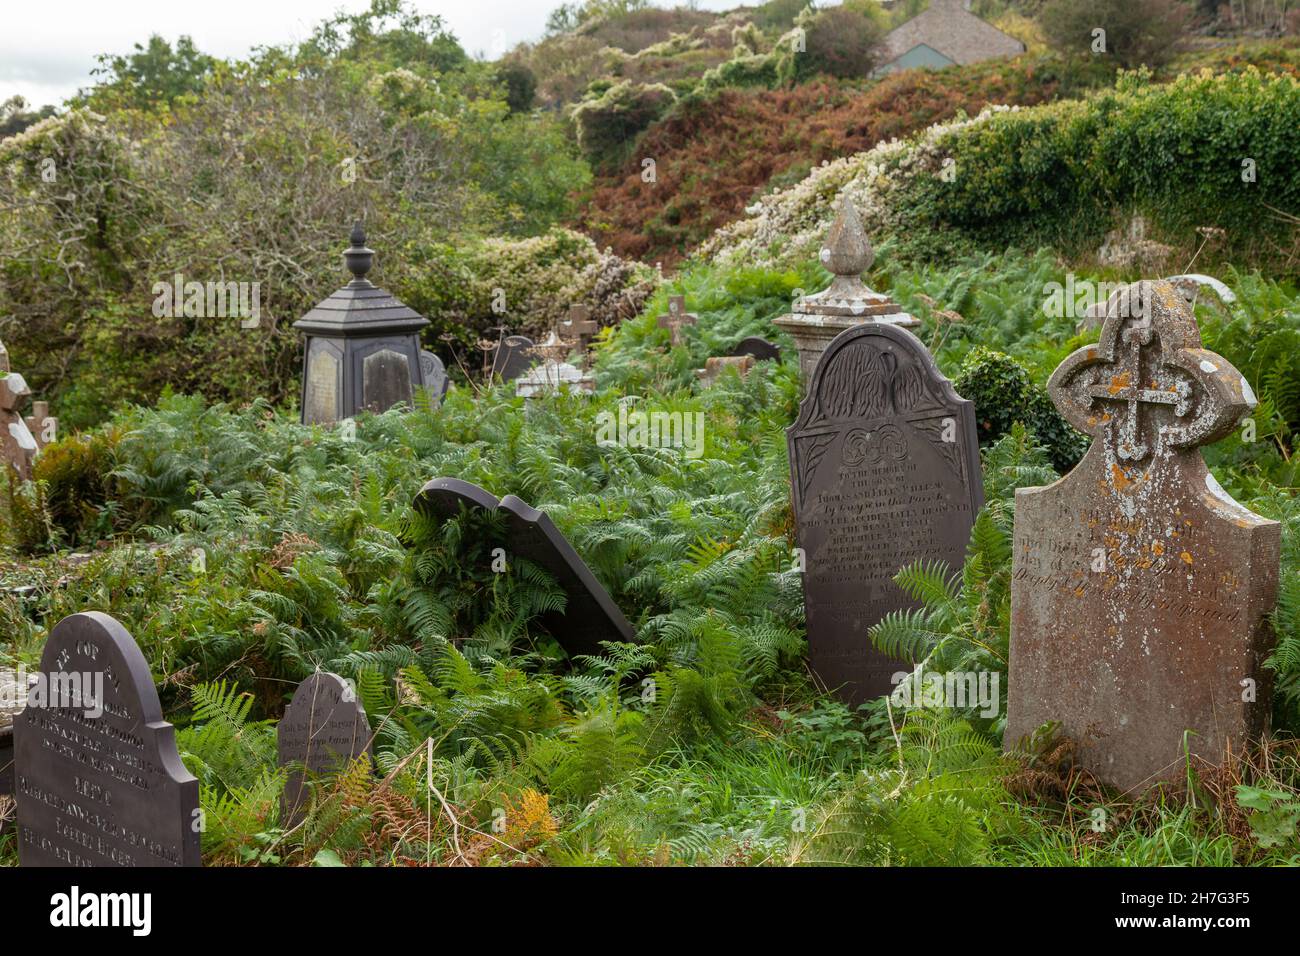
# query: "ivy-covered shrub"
[[837, 41], [1004, 393], [77, 484], [609, 120]]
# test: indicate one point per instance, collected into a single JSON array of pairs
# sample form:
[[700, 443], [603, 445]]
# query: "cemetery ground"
[[254, 550]]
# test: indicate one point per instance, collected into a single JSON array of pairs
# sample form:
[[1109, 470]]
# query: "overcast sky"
[[48, 47]]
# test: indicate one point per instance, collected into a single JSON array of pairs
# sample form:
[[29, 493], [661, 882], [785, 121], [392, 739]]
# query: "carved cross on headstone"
[[1140, 588], [579, 327], [676, 318]]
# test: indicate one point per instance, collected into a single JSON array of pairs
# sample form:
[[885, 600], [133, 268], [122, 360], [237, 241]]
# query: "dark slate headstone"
[[434, 373], [98, 779], [1141, 590], [760, 348], [885, 470], [324, 728], [6, 761], [514, 356], [591, 616]]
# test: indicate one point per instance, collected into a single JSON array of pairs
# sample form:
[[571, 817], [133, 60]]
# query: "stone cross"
[[676, 318], [1140, 589], [42, 425], [579, 327], [17, 446]]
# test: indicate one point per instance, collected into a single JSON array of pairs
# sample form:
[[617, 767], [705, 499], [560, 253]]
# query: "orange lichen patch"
[[1187, 558], [1122, 482], [1157, 547], [1118, 383]]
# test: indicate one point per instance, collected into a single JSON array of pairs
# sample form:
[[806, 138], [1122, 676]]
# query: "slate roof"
[[947, 26]]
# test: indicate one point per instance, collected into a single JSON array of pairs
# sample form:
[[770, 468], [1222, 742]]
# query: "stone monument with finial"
[[362, 348], [847, 301]]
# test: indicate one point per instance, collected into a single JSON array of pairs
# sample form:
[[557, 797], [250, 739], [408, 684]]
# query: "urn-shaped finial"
[[847, 251], [359, 259]]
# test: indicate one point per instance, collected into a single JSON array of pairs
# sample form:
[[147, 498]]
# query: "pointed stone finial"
[[847, 251], [359, 258]]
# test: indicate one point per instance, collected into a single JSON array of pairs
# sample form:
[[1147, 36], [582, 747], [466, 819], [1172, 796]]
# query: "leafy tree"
[[1136, 31], [838, 41], [520, 85], [16, 117], [389, 33], [153, 75]]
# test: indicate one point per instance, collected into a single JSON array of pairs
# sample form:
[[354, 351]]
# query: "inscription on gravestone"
[[1140, 588], [885, 472], [434, 374], [385, 380], [323, 730], [322, 387], [98, 779]]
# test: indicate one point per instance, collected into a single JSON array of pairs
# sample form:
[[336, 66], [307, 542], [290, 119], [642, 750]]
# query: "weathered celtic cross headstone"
[[98, 779], [323, 730], [1140, 587], [17, 444], [676, 318], [885, 469]]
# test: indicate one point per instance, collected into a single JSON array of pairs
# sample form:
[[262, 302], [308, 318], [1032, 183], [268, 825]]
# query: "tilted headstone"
[[715, 365], [1140, 588], [760, 348], [434, 373], [323, 730], [590, 615], [17, 444], [514, 356], [98, 778], [885, 470], [677, 319]]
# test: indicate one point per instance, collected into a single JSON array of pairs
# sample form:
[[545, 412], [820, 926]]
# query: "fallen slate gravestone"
[[514, 356], [436, 380], [323, 730], [98, 779], [1140, 588], [885, 471], [760, 348], [590, 615]]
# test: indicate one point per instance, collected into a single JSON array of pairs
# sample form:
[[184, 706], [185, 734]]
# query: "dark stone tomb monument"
[[324, 728]]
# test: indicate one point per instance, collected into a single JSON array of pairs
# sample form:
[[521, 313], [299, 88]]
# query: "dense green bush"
[[837, 41], [611, 117]]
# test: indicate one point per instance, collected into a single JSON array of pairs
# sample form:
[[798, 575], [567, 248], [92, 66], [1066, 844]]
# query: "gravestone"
[[590, 615], [885, 470], [436, 380], [551, 377], [17, 444], [676, 319], [98, 779], [715, 365], [514, 356], [324, 729], [579, 328], [1140, 588], [760, 348], [42, 425]]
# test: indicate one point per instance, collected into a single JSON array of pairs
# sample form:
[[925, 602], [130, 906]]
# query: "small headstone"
[[760, 348], [885, 468], [551, 377], [1140, 589], [514, 356], [17, 444], [323, 730], [434, 373], [590, 615], [715, 365], [98, 778], [676, 319]]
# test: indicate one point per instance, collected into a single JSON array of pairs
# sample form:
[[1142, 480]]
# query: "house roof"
[[948, 27]]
